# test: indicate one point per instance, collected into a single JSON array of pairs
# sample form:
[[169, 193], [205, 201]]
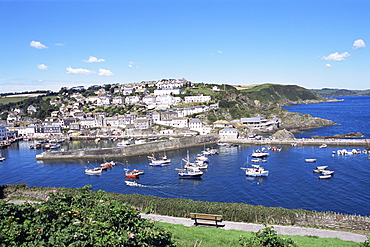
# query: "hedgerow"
[[79, 219]]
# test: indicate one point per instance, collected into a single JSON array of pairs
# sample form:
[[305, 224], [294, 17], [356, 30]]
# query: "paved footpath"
[[284, 230]]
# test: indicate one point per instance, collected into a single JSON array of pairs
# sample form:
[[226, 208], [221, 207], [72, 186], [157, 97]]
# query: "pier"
[[131, 150], [304, 141], [185, 142]]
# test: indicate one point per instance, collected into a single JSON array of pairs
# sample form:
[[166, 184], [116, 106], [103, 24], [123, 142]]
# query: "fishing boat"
[[191, 172], [197, 164], [255, 171], [324, 176], [132, 174], [107, 164], [158, 162], [131, 183], [310, 160], [93, 171]]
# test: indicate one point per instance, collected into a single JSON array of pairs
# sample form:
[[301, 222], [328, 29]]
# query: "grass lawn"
[[210, 237]]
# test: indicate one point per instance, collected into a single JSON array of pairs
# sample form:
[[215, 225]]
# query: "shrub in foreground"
[[266, 237], [82, 219]]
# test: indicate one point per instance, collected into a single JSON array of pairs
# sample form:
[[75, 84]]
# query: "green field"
[[210, 237], [12, 100]]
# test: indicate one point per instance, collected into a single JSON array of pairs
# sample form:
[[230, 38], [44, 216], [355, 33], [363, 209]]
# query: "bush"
[[266, 237], [366, 243], [81, 219]]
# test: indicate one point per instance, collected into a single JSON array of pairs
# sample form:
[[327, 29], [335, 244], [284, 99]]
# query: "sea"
[[291, 182]]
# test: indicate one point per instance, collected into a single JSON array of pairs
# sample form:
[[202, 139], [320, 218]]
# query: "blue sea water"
[[290, 184], [352, 115]]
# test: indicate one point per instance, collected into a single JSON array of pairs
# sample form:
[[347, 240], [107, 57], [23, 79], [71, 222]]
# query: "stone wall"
[[137, 149]]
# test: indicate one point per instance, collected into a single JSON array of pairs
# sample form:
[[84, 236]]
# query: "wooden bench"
[[206, 219]]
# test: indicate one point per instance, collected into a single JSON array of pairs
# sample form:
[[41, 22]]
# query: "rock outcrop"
[[283, 134]]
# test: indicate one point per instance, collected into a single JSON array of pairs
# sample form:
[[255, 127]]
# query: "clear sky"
[[49, 44]]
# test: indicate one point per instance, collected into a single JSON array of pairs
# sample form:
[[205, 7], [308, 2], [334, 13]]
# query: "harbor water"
[[290, 184]]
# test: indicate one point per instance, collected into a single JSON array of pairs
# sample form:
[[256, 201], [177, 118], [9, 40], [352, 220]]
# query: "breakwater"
[[307, 142], [131, 150]]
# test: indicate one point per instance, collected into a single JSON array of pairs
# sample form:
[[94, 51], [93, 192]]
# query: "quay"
[[131, 150], [306, 142], [185, 142]]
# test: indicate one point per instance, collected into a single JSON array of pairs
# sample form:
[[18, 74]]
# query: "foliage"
[[81, 218], [266, 237], [366, 243]]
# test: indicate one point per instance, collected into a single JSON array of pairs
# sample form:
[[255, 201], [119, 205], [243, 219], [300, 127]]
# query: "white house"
[[91, 122], [229, 134], [169, 91], [260, 123], [132, 100], [118, 100], [195, 124], [3, 133], [221, 124], [103, 100], [180, 123], [200, 98], [127, 91], [149, 100]]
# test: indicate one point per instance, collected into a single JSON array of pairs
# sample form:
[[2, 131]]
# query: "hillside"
[[332, 92], [266, 100]]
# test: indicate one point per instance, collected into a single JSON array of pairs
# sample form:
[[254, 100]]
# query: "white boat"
[[158, 162], [2, 158], [259, 154], [310, 160], [255, 160], [324, 176], [326, 172], [202, 157], [323, 145], [131, 183], [197, 164], [256, 171], [94, 171], [192, 172], [320, 169], [121, 144]]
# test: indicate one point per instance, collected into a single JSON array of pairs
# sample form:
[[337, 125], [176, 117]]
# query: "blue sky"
[[314, 44]]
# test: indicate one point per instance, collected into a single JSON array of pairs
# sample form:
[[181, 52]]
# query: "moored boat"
[[255, 171], [259, 154], [191, 172], [133, 173], [324, 176], [158, 162], [310, 160], [93, 171]]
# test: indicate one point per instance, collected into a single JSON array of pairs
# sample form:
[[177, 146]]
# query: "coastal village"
[[158, 108]]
